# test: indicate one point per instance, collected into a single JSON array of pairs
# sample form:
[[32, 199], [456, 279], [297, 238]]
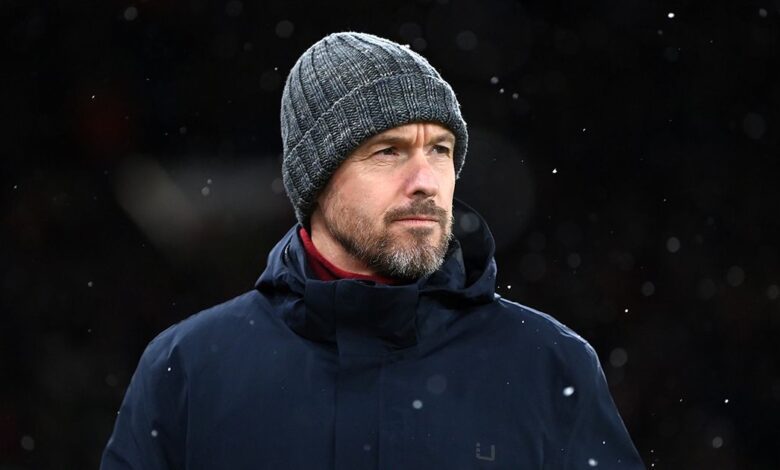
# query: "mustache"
[[426, 208]]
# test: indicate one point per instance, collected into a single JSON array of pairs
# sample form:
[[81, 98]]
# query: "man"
[[374, 338]]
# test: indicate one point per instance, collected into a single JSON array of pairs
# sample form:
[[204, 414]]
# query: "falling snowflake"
[[673, 244]]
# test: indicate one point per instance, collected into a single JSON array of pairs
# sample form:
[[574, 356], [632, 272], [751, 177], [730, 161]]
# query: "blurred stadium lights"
[[177, 208]]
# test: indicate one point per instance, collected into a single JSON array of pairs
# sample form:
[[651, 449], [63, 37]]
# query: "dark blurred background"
[[624, 153]]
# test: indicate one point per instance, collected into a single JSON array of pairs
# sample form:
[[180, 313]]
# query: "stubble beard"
[[405, 255]]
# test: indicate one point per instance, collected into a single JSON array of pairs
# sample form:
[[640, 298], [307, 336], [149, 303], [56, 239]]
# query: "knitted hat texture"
[[346, 88]]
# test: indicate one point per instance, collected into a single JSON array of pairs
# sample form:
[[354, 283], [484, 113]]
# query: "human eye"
[[441, 149], [388, 152]]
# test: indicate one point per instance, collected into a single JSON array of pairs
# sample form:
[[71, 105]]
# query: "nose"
[[422, 181]]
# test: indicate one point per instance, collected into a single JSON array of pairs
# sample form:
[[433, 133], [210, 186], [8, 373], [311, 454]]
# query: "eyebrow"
[[396, 139]]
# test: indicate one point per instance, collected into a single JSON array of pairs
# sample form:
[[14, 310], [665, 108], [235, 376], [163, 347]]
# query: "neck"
[[325, 270], [332, 251]]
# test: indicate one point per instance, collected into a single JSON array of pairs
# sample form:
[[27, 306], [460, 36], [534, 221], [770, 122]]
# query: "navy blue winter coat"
[[304, 374]]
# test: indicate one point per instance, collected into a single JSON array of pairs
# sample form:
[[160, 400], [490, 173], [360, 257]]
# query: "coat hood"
[[349, 312]]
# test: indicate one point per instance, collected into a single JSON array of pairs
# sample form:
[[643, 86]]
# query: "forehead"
[[429, 131]]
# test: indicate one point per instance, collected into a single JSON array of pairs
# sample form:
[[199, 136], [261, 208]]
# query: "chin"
[[421, 233]]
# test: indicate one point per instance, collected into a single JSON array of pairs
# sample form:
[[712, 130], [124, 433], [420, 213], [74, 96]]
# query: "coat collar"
[[363, 317]]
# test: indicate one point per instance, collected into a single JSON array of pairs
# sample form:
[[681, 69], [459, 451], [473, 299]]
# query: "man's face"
[[388, 208]]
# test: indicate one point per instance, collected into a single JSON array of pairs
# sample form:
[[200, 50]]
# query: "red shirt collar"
[[327, 271]]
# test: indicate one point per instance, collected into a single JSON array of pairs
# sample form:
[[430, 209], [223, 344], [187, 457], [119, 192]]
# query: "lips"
[[418, 219]]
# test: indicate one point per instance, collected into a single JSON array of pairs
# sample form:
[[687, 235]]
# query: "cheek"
[[375, 197], [447, 187], [355, 202]]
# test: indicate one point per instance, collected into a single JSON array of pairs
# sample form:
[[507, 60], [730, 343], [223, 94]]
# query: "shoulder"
[[539, 319], [211, 328], [549, 332]]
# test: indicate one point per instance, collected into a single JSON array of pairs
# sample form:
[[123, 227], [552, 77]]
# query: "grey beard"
[[390, 257], [410, 263]]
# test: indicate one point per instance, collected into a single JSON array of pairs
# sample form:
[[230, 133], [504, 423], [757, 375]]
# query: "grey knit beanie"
[[346, 88]]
